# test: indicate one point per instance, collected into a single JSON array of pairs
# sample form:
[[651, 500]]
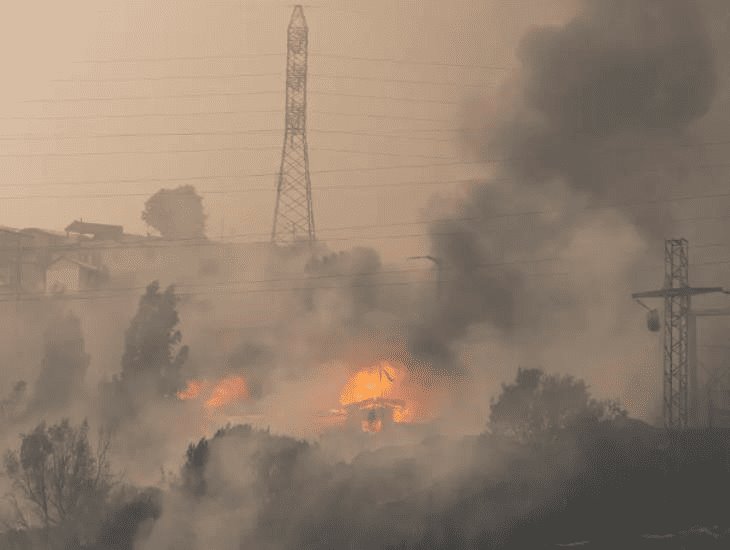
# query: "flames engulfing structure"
[[380, 393], [370, 383]]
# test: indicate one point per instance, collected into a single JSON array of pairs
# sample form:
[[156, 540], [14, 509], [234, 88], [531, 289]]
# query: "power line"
[[403, 61], [238, 112], [398, 61], [59, 137], [648, 202], [392, 134], [232, 94], [227, 76], [147, 243], [226, 191], [116, 295], [385, 98], [173, 243], [158, 152], [399, 81], [206, 177], [324, 171], [381, 116], [377, 153], [167, 77], [55, 137], [212, 150], [259, 189], [149, 97], [257, 75], [376, 135], [141, 115], [177, 58], [220, 287]]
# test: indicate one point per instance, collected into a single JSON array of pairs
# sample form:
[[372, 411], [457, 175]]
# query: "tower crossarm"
[[680, 291], [679, 349]]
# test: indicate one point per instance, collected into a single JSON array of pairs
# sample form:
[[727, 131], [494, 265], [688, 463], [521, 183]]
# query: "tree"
[[128, 517], [151, 353], [176, 213], [62, 482], [64, 363], [193, 471], [538, 406], [10, 407]]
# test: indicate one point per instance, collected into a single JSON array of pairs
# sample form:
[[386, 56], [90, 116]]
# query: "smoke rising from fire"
[[600, 121], [586, 139]]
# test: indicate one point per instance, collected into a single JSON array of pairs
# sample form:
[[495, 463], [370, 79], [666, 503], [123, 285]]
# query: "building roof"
[[82, 265], [96, 229]]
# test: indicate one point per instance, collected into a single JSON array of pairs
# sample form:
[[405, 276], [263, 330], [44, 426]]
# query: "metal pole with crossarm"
[[680, 368]]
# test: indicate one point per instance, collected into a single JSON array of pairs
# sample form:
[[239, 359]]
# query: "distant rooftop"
[[98, 230]]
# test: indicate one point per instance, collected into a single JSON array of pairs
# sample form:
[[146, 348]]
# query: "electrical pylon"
[[680, 376], [293, 216]]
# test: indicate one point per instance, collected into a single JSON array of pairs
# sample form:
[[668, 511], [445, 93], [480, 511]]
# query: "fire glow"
[[191, 391], [228, 390], [377, 391]]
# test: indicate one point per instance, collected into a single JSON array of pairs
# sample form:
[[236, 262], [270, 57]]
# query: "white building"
[[65, 275]]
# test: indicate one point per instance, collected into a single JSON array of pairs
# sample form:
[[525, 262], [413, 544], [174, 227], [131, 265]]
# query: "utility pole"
[[680, 362], [293, 215]]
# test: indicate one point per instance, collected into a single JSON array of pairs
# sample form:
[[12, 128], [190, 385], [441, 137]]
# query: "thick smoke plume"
[[604, 99], [586, 140], [598, 126]]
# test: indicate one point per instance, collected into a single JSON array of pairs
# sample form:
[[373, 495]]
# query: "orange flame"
[[370, 383], [192, 390], [218, 395], [403, 415], [372, 426], [228, 390], [379, 387]]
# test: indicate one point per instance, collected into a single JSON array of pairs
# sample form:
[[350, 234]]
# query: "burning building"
[[374, 399], [375, 414]]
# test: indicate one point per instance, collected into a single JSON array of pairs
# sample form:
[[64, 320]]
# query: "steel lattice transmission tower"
[[293, 216], [680, 384], [676, 334]]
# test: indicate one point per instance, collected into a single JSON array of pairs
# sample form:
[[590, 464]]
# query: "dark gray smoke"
[[594, 130], [602, 94]]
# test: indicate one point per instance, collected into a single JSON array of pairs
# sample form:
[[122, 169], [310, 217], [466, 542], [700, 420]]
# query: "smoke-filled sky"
[[538, 152], [595, 122], [459, 50]]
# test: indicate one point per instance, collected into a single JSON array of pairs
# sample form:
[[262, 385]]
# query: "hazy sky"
[[68, 66]]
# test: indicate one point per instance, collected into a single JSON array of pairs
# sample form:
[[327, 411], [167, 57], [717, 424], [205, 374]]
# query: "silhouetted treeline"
[[549, 471], [616, 484]]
